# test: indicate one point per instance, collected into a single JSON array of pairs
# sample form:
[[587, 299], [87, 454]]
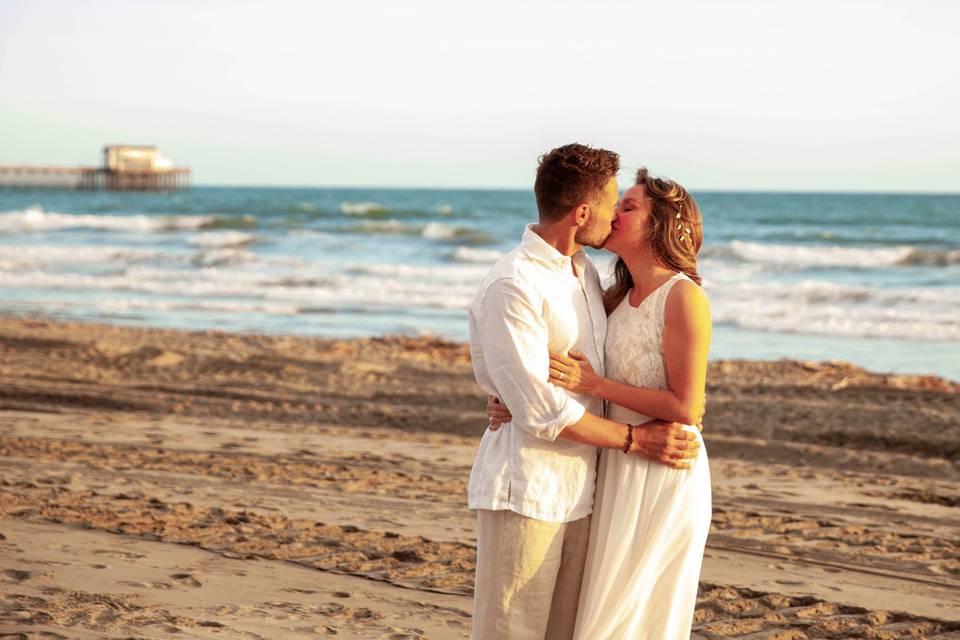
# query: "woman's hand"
[[497, 412], [574, 372]]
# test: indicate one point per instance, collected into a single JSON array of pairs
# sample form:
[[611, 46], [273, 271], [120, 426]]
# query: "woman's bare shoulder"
[[687, 298]]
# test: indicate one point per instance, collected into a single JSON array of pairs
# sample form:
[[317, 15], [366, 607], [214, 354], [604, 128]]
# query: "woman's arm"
[[686, 343]]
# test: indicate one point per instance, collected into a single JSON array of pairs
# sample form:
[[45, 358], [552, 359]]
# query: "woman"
[[650, 521]]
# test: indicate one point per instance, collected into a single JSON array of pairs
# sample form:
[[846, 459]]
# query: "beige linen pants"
[[528, 576]]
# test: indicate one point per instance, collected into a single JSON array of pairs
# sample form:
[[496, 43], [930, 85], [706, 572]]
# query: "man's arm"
[[514, 338]]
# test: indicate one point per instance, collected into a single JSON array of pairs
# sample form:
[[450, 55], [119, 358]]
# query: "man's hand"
[[497, 412], [666, 443]]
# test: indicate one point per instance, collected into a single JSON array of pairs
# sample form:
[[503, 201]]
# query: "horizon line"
[[782, 191]]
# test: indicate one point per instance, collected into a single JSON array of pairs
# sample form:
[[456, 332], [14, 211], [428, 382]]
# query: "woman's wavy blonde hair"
[[675, 235]]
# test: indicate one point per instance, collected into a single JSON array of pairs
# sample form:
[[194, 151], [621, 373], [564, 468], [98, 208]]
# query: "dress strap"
[[664, 293]]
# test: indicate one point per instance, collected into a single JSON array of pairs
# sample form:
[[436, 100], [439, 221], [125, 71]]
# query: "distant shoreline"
[[835, 367], [831, 375]]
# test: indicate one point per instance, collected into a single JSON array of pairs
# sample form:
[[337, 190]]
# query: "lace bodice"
[[634, 346]]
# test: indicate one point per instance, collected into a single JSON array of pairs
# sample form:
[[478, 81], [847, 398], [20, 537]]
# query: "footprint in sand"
[[187, 580], [146, 585], [126, 555], [17, 575], [324, 630]]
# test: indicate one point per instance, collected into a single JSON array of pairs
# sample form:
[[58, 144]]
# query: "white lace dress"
[[650, 522]]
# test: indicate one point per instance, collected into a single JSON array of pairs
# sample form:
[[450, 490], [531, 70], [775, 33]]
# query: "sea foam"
[[224, 256], [822, 256], [44, 256], [471, 255], [831, 308], [439, 231], [36, 219], [361, 208], [221, 239], [217, 279]]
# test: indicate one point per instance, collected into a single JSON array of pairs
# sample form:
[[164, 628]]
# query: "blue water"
[[868, 278]]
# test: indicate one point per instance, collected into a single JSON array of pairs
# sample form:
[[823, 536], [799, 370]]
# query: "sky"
[[845, 95]]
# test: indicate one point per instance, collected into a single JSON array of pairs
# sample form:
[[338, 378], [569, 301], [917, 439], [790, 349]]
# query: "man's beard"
[[590, 237]]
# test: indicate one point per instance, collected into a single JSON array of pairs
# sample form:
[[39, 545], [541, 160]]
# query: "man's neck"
[[558, 235]]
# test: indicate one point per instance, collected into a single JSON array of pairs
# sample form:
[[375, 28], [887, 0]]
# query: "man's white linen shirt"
[[529, 304]]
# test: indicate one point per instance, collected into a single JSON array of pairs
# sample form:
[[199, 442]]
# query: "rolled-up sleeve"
[[514, 339]]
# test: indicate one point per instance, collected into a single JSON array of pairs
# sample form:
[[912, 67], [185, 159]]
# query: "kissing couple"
[[572, 543]]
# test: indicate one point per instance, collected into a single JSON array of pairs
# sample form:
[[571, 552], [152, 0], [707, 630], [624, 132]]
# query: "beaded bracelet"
[[628, 442]]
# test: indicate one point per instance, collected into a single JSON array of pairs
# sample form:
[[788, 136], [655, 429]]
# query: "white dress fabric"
[[650, 522]]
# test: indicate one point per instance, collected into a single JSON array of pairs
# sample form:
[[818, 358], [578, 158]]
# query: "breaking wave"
[[35, 219]]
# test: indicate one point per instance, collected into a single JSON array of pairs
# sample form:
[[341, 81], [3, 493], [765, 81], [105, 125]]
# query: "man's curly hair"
[[571, 175]]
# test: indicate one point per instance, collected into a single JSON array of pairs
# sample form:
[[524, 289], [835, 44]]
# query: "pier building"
[[125, 168]]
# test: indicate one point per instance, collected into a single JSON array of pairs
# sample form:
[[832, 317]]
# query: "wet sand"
[[158, 484]]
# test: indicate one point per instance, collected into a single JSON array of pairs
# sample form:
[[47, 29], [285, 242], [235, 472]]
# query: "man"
[[532, 481]]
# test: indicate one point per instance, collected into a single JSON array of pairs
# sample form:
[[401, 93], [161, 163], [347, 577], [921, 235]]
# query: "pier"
[[125, 168]]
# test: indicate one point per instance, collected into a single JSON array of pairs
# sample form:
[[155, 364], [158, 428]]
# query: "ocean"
[[869, 278]]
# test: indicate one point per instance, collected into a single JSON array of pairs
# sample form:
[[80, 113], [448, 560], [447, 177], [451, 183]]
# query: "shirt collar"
[[536, 247]]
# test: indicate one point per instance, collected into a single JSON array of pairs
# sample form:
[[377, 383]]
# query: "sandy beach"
[[160, 483]]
